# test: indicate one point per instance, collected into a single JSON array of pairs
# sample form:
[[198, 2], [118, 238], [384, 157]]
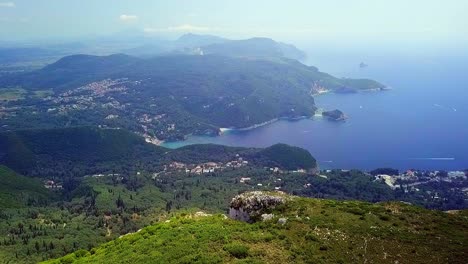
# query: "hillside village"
[[417, 181], [108, 103], [412, 178], [407, 181], [193, 169]]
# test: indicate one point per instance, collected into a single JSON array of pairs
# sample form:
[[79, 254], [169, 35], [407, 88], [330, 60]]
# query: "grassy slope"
[[15, 189], [317, 231]]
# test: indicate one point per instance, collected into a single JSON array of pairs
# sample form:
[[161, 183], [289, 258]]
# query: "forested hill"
[[169, 97], [28, 150], [79, 69], [20, 191], [79, 151]]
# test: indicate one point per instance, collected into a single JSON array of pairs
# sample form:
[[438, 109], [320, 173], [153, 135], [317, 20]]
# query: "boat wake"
[[432, 159], [446, 108]]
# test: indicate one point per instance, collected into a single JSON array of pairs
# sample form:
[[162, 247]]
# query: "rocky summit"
[[250, 206]]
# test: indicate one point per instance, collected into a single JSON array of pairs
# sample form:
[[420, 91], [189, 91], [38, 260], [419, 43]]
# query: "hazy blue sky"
[[367, 20]]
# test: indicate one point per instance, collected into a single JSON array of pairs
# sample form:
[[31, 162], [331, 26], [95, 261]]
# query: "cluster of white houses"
[[412, 178], [207, 167]]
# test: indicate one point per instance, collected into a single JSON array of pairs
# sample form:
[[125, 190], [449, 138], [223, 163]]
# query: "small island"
[[335, 115]]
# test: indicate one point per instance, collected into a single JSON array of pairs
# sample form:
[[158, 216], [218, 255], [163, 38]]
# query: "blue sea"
[[421, 123]]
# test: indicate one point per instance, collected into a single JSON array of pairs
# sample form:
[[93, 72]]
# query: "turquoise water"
[[421, 123]]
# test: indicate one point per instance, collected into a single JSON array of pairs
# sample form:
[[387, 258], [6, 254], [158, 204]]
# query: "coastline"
[[249, 127], [317, 114], [376, 89], [224, 129], [327, 92]]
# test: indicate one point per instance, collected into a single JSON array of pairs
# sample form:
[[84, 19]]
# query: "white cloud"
[[7, 4], [128, 18], [180, 28]]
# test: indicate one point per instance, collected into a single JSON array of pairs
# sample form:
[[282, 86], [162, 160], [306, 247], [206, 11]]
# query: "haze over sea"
[[421, 123]]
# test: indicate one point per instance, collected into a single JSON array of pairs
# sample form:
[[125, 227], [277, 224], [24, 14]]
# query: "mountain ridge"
[[210, 44]]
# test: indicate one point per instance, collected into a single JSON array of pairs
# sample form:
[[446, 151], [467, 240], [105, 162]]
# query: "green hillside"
[[79, 151], [301, 231], [20, 191], [278, 155], [133, 184], [62, 148], [169, 97], [288, 157], [108, 183]]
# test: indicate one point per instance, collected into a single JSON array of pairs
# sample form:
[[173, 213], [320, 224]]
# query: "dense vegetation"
[[103, 196], [168, 97], [288, 157], [61, 151], [79, 151], [316, 231], [18, 191]]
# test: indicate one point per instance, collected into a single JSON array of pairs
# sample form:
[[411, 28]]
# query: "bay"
[[421, 123]]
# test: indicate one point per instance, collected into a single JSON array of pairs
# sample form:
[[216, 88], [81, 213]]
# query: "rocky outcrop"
[[335, 115], [250, 206], [267, 217]]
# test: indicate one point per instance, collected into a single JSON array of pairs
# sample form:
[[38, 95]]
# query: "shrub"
[[355, 211], [311, 237], [323, 248], [237, 250], [81, 253], [384, 217]]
